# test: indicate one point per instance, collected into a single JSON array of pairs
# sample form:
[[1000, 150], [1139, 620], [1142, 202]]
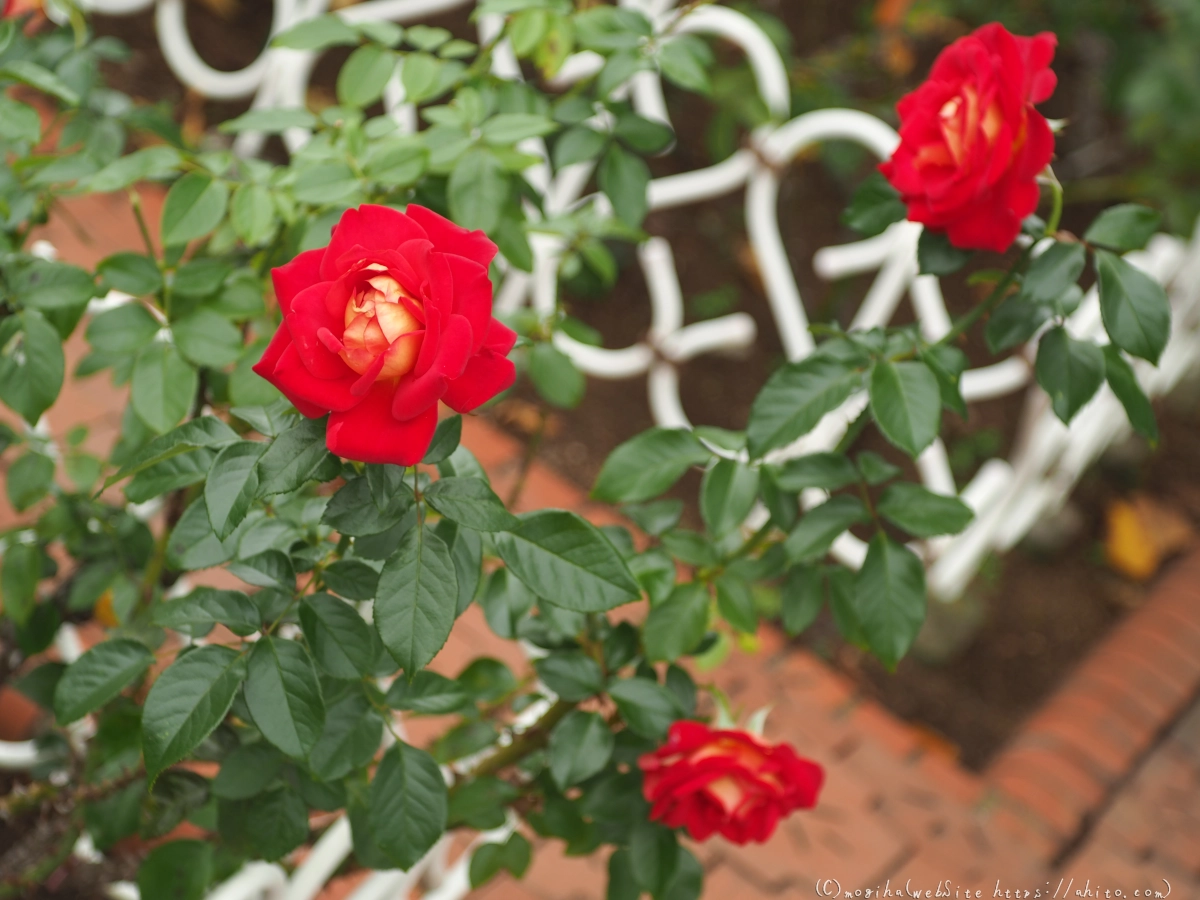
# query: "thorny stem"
[[532, 738], [17, 804], [135, 201]]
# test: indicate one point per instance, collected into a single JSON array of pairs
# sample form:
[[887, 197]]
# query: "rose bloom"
[[732, 782], [971, 143], [393, 316]]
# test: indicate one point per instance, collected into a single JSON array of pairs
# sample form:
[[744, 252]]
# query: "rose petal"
[[415, 393], [293, 277], [371, 227], [451, 238], [267, 367], [293, 378], [308, 315], [368, 432]]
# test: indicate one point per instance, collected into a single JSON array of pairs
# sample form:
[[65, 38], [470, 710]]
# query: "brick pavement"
[[1101, 785]]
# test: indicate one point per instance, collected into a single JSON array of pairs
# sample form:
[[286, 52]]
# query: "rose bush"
[[726, 782], [971, 144], [305, 459], [393, 316]]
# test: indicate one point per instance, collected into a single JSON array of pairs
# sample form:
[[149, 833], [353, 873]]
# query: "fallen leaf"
[[1142, 533]]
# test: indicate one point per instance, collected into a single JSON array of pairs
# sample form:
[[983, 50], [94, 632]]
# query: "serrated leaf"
[[907, 404], [470, 502], [196, 613], [647, 707], [921, 512], [195, 205], [580, 746], [187, 702], [416, 599], [206, 431], [1070, 371], [889, 598], [232, 485], [649, 464], [284, 696], [1135, 309], [567, 561], [340, 639], [795, 399], [98, 676], [1124, 383], [408, 806], [1125, 227]]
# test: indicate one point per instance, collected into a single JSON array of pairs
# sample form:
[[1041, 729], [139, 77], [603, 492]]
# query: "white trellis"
[[1008, 495]]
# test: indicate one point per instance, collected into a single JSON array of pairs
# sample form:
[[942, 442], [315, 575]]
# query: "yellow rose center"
[[379, 323]]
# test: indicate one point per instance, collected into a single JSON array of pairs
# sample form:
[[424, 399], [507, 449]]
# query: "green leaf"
[[580, 746], [1135, 309], [889, 598], [571, 674], [408, 804], [682, 63], [269, 121], [351, 736], [316, 34], [97, 677], [874, 206], [654, 855], [325, 184], [624, 178], [1125, 227], [420, 75], [511, 128], [676, 626], [175, 795], [445, 441], [351, 578], [206, 431], [735, 602], [163, 386], [416, 599], [268, 826], [28, 479], [206, 338], [294, 458], [477, 190], [267, 568], [179, 870], [1070, 371], [828, 471], [647, 707], [1014, 322], [154, 162], [51, 286], [727, 493], [19, 122], [26, 71], [937, 256], [621, 883], [1124, 383], [195, 205], [364, 75], [19, 576], [428, 694], [353, 511], [907, 404], [820, 526], [124, 330], [187, 702], [556, 378], [252, 214], [470, 502], [284, 696], [196, 613], [802, 597], [795, 399], [247, 772], [578, 144], [340, 639], [193, 545], [31, 364], [170, 475], [921, 512], [567, 561], [132, 273], [232, 485], [514, 855], [649, 464], [1055, 270]]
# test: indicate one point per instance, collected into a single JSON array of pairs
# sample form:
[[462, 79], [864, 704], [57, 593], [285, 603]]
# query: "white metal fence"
[[1008, 495]]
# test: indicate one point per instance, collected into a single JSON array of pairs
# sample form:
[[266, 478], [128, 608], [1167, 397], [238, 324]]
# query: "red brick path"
[[1101, 786]]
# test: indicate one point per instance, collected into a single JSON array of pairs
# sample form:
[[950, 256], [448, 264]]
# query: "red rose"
[[393, 316], [971, 143], [733, 782]]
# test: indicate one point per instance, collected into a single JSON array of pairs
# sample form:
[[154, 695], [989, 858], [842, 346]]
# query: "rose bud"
[[393, 316], [971, 143], [732, 782]]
